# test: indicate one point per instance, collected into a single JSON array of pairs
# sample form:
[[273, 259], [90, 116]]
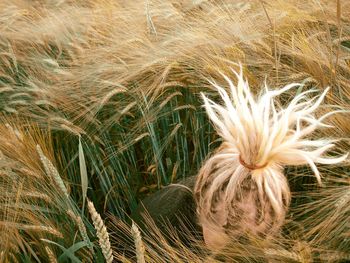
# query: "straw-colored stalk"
[[34, 228]]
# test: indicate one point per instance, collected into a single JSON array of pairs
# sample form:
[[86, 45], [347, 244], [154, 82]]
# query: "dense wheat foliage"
[[100, 99]]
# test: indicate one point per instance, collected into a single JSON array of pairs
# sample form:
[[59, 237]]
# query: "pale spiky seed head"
[[51, 255], [243, 182], [139, 246], [51, 170], [102, 234], [82, 229]]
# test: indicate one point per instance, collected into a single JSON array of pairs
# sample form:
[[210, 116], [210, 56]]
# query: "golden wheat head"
[[101, 232]]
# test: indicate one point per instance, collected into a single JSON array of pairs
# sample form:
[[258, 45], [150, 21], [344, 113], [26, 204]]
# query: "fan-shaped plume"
[[242, 188]]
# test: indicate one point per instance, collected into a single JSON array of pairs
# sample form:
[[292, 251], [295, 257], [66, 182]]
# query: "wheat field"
[[100, 107]]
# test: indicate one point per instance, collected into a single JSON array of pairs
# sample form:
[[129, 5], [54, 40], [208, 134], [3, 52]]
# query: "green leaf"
[[68, 252], [83, 173]]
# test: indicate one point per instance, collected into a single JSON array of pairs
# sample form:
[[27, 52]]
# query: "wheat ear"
[[51, 255], [82, 229], [140, 248], [51, 170], [101, 231]]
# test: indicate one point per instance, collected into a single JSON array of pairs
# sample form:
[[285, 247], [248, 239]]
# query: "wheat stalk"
[[51, 255], [101, 231], [36, 228], [140, 248], [82, 228], [52, 171], [14, 132], [283, 253], [37, 195]]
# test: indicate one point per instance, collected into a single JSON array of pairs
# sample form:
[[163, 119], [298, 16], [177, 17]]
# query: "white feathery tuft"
[[259, 138], [262, 135]]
